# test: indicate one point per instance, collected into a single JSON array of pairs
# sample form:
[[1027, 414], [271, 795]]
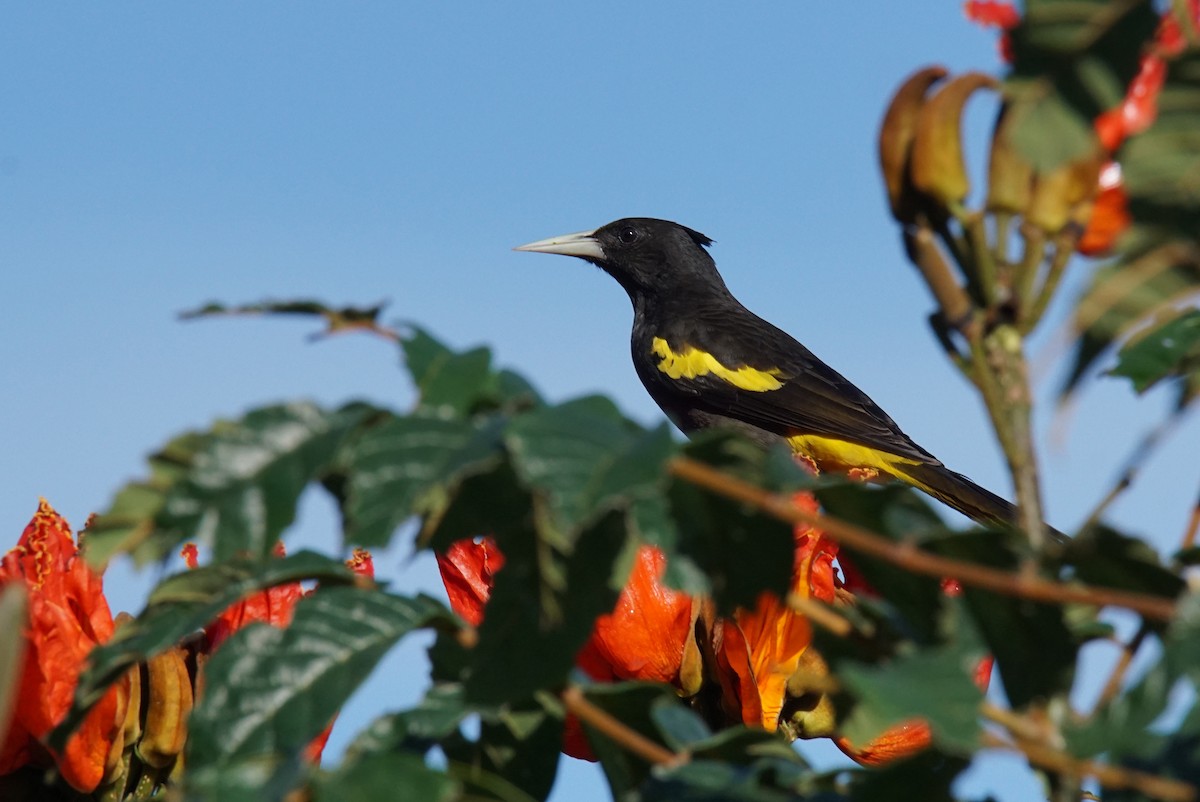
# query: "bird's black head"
[[650, 258]]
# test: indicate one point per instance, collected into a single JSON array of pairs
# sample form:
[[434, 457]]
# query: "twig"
[[820, 614], [1117, 678], [1025, 272], [1114, 777], [1020, 726], [1064, 248], [913, 559], [1189, 535], [985, 264], [1133, 465], [633, 741], [924, 253]]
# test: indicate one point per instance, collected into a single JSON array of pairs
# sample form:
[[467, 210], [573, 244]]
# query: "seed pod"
[[896, 135], [938, 168], [1010, 176], [168, 701], [1060, 194]]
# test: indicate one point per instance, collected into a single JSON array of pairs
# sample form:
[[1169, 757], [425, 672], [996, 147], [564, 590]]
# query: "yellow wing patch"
[[829, 452], [692, 362]]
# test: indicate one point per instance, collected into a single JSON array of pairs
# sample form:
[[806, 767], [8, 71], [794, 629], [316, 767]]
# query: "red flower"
[[991, 14], [68, 616], [272, 605], [467, 569], [1110, 214], [644, 636], [900, 741]]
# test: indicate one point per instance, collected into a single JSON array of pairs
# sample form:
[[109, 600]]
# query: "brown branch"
[[1114, 777], [1018, 725], [820, 614], [924, 253], [1189, 535], [913, 559], [631, 740], [1117, 678]]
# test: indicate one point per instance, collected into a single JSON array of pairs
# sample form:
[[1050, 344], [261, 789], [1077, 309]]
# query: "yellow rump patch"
[[829, 452], [692, 362]]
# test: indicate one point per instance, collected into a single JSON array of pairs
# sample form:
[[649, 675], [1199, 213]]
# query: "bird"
[[708, 361]]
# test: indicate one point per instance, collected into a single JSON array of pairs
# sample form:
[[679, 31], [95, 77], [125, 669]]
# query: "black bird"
[[709, 361]]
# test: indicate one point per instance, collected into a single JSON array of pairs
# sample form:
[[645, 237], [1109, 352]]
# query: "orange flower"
[[761, 648], [68, 616], [272, 605], [468, 569], [1110, 214], [644, 636], [900, 741], [642, 639]]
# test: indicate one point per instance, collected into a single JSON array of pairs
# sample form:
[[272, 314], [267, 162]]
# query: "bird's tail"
[[959, 492]]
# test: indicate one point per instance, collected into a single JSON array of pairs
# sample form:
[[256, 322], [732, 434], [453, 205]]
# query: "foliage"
[[573, 494]]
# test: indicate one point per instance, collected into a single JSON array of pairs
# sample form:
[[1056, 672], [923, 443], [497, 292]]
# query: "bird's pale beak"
[[583, 244]]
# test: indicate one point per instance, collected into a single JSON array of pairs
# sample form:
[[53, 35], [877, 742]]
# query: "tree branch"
[[631, 740], [1114, 777], [912, 559]]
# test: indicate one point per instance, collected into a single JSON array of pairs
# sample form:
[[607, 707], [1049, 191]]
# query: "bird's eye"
[[628, 235]]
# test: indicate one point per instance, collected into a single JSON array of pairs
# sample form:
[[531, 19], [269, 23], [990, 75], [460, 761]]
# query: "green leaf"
[[416, 729], [450, 383], [1049, 131], [519, 744], [586, 458], [129, 521], [1104, 557], [927, 776], [1127, 728], [270, 690], [1035, 650], [1072, 59], [391, 467], [724, 548], [235, 486], [632, 704], [263, 778], [1125, 294], [1158, 165], [899, 513], [764, 780], [1170, 349], [181, 605], [387, 778], [542, 609], [933, 684]]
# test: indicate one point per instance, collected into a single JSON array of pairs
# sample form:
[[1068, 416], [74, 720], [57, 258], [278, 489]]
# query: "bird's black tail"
[[957, 491]]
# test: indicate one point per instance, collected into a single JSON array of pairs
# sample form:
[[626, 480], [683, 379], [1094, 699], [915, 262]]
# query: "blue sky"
[[157, 156]]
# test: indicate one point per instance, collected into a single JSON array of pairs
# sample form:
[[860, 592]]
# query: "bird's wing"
[[760, 375]]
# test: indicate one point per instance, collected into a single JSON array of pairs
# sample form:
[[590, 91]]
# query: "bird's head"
[[648, 257]]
